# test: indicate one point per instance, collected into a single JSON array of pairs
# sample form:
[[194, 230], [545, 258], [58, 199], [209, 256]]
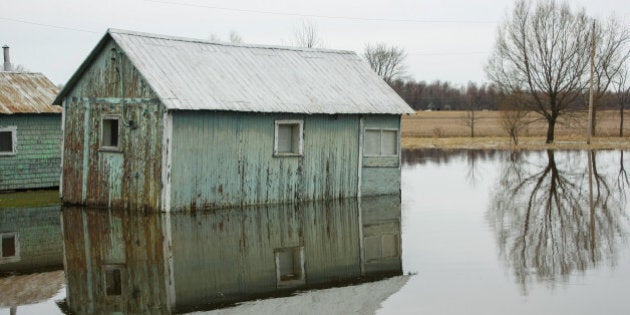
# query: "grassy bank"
[[34, 198], [449, 130]]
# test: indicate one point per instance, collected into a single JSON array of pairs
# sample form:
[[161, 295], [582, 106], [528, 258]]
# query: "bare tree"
[[622, 92], [513, 114], [214, 37], [612, 53], [235, 37], [541, 52], [306, 35], [387, 61], [472, 105]]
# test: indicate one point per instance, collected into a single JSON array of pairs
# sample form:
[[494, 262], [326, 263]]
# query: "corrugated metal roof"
[[189, 74], [26, 93]]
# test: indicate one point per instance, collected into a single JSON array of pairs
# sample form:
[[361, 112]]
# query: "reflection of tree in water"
[[439, 156], [622, 177], [542, 219]]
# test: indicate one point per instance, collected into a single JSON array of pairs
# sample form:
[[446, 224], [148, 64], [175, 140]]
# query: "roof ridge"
[[211, 42]]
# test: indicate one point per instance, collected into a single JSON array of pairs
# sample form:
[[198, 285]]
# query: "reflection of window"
[[381, 246], [290, 265], [113, 281], [110, 132], [8, 140], [381, 142], [10, 247], [288, 138]]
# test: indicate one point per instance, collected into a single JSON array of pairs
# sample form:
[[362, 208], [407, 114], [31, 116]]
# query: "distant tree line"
[[444, 95]]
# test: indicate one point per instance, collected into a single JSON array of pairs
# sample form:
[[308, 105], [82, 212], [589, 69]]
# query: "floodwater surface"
[[473, 232], [514, 233]]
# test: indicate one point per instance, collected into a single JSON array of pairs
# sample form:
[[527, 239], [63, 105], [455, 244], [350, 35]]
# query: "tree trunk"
[[472, 124], [593, 121], [621, 121], [550, 129]]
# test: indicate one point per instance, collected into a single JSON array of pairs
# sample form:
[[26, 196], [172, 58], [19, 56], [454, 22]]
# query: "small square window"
[[10, 247], [380, 142], [8, 140], [113, 281], [288, 138], [290, 266], [110, 133]]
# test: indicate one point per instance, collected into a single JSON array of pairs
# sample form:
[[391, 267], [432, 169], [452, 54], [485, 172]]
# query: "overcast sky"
[[447, 39]]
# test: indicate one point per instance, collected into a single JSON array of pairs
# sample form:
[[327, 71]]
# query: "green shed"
[[30, 132], [166, 123]]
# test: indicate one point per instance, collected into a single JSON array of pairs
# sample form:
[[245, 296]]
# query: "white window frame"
[[108, 147], [299, 250], [298, 122], [380, 130], [15, 257], [13, 131]]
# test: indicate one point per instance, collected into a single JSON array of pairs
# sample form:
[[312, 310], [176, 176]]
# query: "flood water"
[[474, 232]]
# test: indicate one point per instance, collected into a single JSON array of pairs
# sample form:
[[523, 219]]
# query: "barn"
[[30, 132], [161, 123]]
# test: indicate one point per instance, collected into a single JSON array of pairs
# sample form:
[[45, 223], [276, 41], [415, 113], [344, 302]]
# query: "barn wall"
[[381, 175], [131, 177], [37, 161], [223, 159]]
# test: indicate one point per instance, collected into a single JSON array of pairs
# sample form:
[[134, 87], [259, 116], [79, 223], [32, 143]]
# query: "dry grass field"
[[449, 129]]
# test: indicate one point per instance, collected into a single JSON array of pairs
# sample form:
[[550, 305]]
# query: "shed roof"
[[22, 92], [191, 74]]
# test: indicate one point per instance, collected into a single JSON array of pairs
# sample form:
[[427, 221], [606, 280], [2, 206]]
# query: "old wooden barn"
[[30, 132], [166, 123]]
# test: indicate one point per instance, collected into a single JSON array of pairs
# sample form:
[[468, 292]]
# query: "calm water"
[[479, 232], [501, 233]]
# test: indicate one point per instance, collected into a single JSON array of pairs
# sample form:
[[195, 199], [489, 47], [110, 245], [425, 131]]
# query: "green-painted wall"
[[381, 175], [223, 159], [216, 159], [130, 178], [37, 161]]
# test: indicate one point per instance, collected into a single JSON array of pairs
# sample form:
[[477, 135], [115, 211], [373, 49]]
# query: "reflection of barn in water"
[[31, 239], [163, 123], [31, 255], [174, 262]]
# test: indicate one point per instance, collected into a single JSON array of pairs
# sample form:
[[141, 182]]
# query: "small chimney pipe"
[[7, 58]]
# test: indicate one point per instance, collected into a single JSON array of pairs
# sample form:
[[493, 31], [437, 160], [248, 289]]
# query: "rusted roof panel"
[[190, 74], [26, 93]]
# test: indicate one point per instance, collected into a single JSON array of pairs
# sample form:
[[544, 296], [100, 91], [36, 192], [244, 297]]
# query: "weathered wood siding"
[[95, 240], [38, 232], [381, 175], [227, 255], [223, 159], [130, 178], [37, 161]]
